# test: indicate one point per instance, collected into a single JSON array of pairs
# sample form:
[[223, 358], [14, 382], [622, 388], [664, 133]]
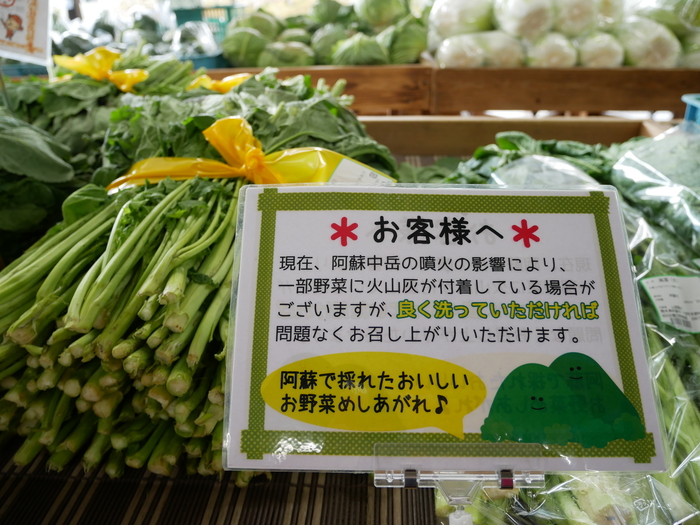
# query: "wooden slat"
[[377, 89], [458, 136], [571, 89]]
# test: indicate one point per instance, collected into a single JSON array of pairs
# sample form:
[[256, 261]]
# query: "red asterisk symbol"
[[343, 231], [525, 233]]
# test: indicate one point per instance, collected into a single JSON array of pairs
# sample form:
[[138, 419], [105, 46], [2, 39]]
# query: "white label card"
[[470, 323], [677, 300]]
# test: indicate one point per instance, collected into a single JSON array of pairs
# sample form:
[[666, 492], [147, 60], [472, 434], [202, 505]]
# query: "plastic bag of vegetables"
[[266, 24], [648, 43], [460, 52], [600, 50], [242, 46], [552, 50], [661, 179], [457, 17], [691, 51], [610, 13], [380, 13], [528, 19], [286, 54], [194, 38], [359, 50], [680, 16], [575, 17], [405, 41], [324, 40], [490, 48]]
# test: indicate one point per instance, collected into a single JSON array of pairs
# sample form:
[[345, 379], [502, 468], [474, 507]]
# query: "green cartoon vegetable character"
[[602, 397], [531, 406]]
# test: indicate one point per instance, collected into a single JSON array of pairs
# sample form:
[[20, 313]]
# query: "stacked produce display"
[[565, 33], [114, 307]]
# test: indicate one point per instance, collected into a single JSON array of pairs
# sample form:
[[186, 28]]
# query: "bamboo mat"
[[33, 496]]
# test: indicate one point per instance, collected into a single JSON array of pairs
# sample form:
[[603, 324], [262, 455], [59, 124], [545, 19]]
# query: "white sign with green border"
[[425, 318]]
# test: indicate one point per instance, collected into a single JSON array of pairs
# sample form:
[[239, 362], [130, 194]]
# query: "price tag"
[[24, 30], [449, 315]]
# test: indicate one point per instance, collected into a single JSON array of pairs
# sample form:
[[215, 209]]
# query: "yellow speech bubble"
[[375, 392]]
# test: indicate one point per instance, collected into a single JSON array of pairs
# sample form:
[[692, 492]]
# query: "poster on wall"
[[24, 30], [427, 318]]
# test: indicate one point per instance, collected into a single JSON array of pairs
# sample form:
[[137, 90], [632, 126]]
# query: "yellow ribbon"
[[233, 139], [97, 64], [224, 85]]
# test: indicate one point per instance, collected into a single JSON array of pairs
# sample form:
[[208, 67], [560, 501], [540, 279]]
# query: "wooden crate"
[[571, 89], [460, 136], [378, 90]]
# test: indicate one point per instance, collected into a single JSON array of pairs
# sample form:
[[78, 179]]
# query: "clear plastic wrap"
[[528, 19], [661, 179], [648, 43], [552, 50], [194, 38], [594, 498], [600, 50], [681, 16], [691, 50], [457, 17], [490, 48], [460, 52], [575, 17]]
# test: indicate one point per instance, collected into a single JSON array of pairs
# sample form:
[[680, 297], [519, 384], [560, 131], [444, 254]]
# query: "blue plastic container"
[[22, 70], [692, 111]]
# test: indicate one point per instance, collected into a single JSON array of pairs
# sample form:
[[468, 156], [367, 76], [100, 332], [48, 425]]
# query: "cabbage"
[[405, 41], [691, 51], [359, 50], [600, 50], [457, 17], [380, 13], [460, 52], [242, 46], [266, 24], [680, 16], [295, 35], [648, 43], [575, 17], [610, 13], [325, 11], [529, 19], [552, 50], [325, 39], [286, 54], [500, 49]]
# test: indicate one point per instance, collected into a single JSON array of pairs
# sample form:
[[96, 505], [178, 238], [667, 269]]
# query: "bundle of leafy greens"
[[662, 179], [284, 114], [595, 160], [114, 330]]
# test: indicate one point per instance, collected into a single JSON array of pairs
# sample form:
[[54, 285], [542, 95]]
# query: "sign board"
[[422, 318], [24, 30]]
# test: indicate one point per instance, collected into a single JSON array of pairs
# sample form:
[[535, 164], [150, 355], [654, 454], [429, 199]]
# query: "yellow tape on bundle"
[[224, 85], [233, 139], [97, 64]]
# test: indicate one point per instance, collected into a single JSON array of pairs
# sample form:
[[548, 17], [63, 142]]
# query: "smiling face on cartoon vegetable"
[[600, 394], [530, 403]]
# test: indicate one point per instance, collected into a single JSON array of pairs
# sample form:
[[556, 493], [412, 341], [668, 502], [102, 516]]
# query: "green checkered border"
[[257, 441]]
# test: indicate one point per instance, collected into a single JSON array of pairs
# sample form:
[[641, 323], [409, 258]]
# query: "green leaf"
[[24, 151], [201, 278], [83, 202]]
